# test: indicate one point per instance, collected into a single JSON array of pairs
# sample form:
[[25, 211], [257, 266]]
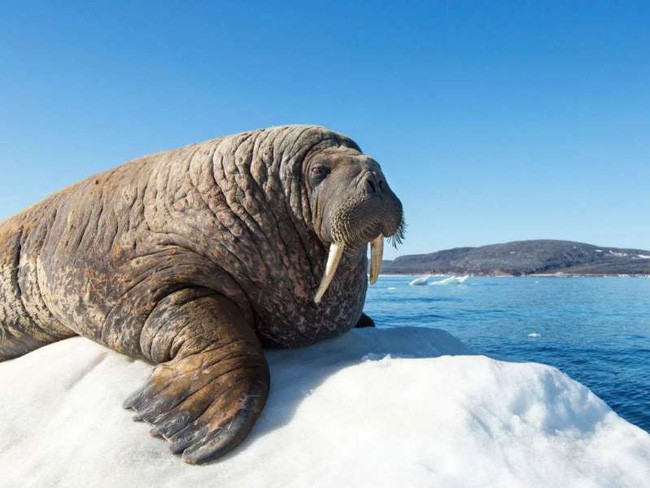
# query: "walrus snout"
[[365, 215]]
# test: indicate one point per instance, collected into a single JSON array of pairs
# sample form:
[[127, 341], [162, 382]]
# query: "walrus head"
[[351, 205]]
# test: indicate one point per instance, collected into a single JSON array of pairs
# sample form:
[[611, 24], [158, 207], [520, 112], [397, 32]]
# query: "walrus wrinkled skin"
[[196, 258]]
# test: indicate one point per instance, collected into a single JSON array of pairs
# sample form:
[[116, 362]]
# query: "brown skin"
[[194, 259]]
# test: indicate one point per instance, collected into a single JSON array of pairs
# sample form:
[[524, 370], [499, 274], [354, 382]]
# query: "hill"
[[526, 257]]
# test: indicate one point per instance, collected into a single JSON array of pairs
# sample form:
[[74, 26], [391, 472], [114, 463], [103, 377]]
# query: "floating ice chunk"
[[452, 280], [422, 280]]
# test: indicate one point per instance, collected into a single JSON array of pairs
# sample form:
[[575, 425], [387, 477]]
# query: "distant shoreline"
[[533, 275], [537, 258]]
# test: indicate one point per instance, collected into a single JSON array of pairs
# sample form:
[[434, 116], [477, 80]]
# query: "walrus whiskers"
[[333, 259]]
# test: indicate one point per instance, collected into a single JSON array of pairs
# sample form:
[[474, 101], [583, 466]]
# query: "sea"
[[596, 330]]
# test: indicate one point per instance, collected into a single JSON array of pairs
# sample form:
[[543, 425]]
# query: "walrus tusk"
[[376, 255], [333, 259]]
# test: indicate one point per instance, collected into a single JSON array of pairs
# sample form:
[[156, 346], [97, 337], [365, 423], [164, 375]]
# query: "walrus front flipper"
[[365, 321], [206, 399]]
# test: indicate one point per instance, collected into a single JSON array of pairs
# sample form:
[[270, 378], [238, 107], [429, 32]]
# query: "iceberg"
[[375, 407], [422, 280], [452, 280]]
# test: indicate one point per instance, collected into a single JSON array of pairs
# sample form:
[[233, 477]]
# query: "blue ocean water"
[[597, 330]]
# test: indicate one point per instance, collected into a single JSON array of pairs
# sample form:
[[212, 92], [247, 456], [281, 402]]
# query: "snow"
[[618, 254], [376, 407]]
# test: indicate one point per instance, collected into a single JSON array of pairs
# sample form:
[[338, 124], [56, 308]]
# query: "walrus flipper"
[[365, 321], [206, 399]]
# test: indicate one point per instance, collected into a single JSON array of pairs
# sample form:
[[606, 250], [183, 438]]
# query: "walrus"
[[196, 259]]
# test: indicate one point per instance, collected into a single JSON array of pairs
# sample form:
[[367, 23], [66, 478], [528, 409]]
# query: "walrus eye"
[[320, 171]]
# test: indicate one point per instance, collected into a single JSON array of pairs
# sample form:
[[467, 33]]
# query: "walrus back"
[[47, 236], [28, 241]]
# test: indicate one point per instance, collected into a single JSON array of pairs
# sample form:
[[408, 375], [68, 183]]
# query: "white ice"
[[377, 407], [452, 280], [422, 280]]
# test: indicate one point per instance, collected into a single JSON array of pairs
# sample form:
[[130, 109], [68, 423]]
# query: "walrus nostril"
[[374, 183]]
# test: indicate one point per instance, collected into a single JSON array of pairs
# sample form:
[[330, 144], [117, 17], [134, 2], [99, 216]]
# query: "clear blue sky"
[[493, 121]]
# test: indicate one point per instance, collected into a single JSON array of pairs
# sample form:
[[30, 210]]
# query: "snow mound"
[[377, 407]]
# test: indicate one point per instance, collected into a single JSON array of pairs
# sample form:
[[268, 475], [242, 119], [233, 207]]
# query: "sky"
[[493, 121]]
